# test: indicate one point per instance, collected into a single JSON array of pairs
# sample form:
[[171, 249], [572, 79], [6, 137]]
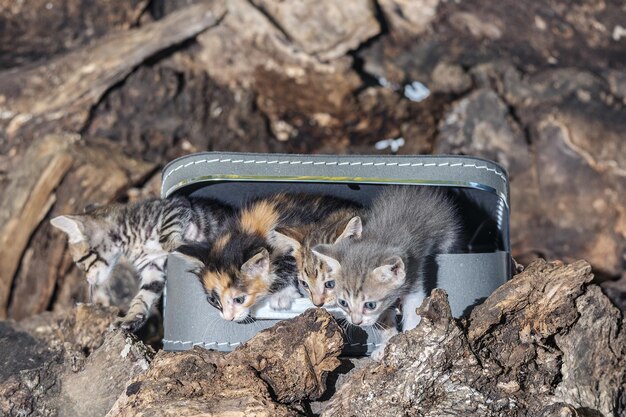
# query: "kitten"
[[143, 233], [252, 260], [375, 266], [313, 275]]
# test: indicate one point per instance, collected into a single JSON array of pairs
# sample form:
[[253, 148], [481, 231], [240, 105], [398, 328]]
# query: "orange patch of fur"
[[256, 287], [221, 243], [261, 218], [215, 280]]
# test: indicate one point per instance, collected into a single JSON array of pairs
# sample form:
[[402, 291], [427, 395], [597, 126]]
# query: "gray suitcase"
[[189, 320]]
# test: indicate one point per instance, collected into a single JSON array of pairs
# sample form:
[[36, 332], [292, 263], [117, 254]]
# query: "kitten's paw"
[[378, 353], [281, 302], [131, 323]]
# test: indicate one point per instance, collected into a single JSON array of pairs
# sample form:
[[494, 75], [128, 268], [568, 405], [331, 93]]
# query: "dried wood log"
[[324, 29], [266, 376], [67, 87], [549, 142], [39, 29], [265, 46], [310, 343], [30, 187], [547, 343], [66, 364]]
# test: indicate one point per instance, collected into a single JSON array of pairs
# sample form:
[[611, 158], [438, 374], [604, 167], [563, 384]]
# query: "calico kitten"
[[143, 233], [384, 261], [313, 275], [253, 260]]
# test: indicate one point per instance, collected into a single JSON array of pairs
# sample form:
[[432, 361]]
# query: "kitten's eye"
[[211, 299], [304, 284], [240, 299], [342, 302], [370, 305], [329, 284]]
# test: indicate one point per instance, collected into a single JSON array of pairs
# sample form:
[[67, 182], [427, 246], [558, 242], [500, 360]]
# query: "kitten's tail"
[[260, 217]]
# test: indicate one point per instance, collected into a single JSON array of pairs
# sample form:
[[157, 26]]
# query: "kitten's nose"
[[356, 320], [318, 302]]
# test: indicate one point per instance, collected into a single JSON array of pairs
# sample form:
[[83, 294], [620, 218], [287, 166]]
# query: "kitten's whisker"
[[377, 333], [208, 324]]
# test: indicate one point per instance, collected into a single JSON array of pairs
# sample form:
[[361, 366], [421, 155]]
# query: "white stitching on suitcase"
[[206, 344], [443, 164]]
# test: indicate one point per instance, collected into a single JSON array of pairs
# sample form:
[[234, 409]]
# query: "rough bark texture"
[[545, 344], [267, 376], [67, 87], [39, 29], [66, 364]]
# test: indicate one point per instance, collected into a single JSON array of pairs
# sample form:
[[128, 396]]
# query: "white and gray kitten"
[[385, 261], [143, 233]]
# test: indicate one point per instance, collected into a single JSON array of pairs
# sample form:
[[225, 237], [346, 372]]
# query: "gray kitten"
[[376, 265], [143, 233]]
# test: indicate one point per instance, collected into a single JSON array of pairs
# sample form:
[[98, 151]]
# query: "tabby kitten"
[[143, 233], [252, 260], [384, 261], [313, 275]]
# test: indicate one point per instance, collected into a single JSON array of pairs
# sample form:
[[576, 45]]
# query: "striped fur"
[[231, 283], [314, 276], [143, 233]]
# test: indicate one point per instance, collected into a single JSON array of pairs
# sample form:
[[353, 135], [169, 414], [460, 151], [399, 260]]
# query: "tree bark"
[[545, 343]]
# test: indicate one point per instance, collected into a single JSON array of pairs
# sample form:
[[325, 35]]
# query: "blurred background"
[[96, 96]]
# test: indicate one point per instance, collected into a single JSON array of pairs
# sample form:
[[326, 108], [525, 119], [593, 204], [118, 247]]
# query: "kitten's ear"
[[257, 266], [193, 254], [283, 242], [325, 254], [73, 226], [391, 271], [353, 230]]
